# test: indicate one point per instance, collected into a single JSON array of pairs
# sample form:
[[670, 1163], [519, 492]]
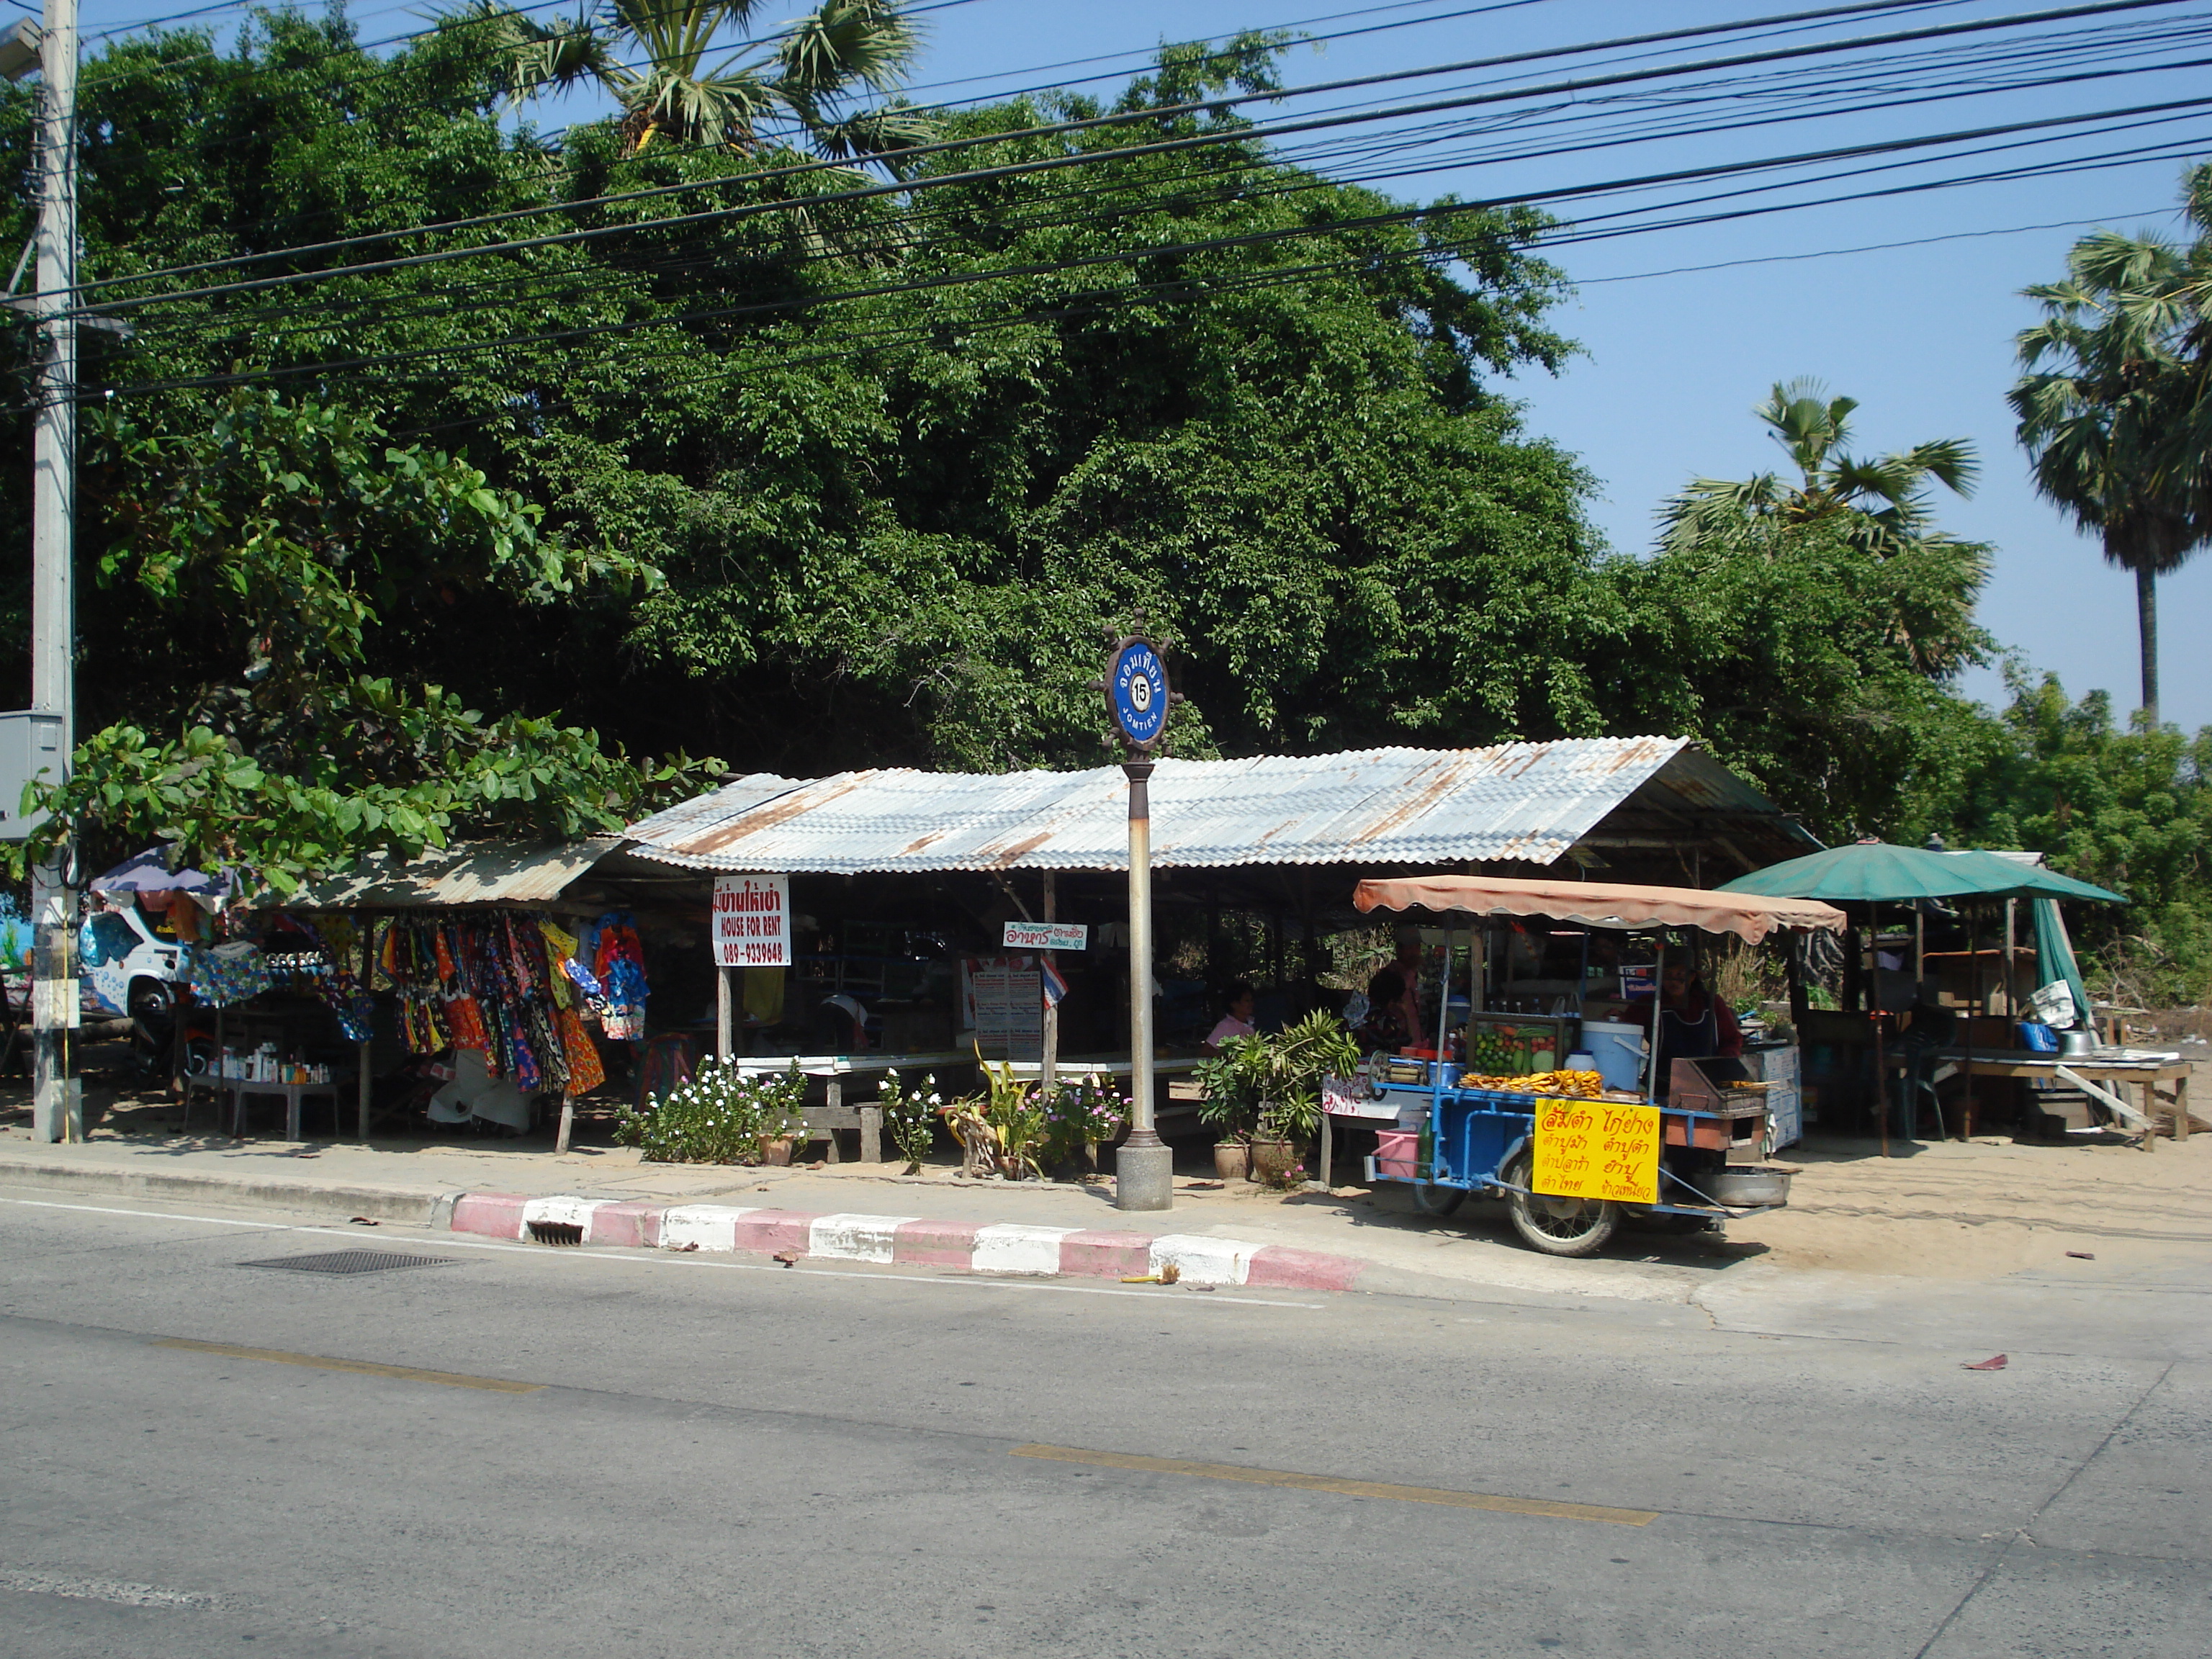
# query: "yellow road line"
[[362, 1367], [1461, 1500]]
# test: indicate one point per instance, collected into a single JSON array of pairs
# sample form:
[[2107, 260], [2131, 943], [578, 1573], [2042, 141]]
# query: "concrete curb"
[[378, 1203], [1008, 1247]]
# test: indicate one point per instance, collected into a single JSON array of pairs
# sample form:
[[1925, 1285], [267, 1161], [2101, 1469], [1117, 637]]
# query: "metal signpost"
[[1137, 695]]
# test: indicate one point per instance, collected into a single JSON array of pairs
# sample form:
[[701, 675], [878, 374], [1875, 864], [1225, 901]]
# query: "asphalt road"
[[693, 1456]]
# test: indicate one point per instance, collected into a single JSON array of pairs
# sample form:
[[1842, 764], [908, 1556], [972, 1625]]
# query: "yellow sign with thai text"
[[1594, 1148]]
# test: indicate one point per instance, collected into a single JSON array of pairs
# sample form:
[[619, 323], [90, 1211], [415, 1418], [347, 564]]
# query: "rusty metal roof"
[[1522, 801], [476, 874]]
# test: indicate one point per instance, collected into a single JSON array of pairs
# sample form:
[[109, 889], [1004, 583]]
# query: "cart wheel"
[[1557, 1226], [1432, 1199]]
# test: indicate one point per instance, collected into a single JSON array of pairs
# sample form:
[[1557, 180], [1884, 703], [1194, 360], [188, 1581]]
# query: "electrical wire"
[[1257, 130], [919, 222], [1184, 249]]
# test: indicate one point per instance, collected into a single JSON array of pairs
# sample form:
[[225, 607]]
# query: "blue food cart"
[[1483, 1140]]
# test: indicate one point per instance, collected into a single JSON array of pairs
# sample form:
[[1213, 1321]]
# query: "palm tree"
[[2119, 423], [1880, 505], [652, 55]]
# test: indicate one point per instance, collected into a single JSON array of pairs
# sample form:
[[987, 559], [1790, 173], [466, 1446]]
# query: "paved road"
[[711, 1458]]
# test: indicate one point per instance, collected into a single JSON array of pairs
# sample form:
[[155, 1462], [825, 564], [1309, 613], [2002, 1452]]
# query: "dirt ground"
[[1989, 1206]]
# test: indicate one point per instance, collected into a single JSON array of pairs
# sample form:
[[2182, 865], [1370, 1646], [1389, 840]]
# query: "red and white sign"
[[752, 921]]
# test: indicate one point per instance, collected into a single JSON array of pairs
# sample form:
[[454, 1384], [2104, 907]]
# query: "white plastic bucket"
[[1618, 1050]]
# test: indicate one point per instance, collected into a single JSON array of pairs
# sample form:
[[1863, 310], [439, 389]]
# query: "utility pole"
[[57, 1105]]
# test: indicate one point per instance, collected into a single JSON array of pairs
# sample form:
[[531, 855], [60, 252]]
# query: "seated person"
[[1236, 1018]]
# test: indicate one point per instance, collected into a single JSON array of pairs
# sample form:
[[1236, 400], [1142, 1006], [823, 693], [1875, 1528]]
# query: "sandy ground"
[[1990, 1207]]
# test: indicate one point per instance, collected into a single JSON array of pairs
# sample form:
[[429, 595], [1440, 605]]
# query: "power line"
[[1257, 131], [1178, 250], [918, 221]]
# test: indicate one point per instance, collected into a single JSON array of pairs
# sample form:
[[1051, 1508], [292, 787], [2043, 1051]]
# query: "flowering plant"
[[1079, 1115], [911, 1114], [718, 1115]]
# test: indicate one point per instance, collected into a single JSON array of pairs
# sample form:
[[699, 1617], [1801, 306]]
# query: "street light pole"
[[1137, 697], [1144, 1177], [57, 1113]]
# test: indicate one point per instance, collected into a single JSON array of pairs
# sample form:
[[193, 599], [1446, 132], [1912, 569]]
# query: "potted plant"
[[1234, 1082], [1293, 1062], [780, 1109]]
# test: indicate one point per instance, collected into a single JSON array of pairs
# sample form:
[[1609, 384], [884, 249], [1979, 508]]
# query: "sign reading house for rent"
[[752, 921]]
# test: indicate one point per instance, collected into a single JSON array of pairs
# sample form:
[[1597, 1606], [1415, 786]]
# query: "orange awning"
[[1599, 904]]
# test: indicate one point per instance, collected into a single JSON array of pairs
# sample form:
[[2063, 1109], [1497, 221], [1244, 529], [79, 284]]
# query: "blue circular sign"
[[1137, 691]]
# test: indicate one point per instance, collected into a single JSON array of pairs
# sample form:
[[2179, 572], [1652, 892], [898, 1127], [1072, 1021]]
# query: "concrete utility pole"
[[56, 1106]]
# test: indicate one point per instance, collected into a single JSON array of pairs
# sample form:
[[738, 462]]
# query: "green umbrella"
[[1877, 872]]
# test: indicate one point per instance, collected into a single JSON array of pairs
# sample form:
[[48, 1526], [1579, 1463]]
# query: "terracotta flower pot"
[[776, 1152], [1232, 1160], [1272, 1160]]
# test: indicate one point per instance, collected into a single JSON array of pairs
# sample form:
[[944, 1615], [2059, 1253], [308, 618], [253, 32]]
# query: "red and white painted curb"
[[1006, 1248]]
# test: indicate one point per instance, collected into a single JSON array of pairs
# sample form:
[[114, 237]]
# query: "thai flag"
[[1056, 987]]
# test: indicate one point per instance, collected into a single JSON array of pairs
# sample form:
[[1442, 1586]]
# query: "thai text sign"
[[752, 921], [1594, 1148], [1046, 936]]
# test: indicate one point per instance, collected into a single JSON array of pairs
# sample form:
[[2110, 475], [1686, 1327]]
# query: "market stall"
[[1571, 1149], [2013, 1012], [914, 901], [478, 987]]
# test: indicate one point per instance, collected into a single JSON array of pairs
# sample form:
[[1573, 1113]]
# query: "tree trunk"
[[2147, 622]]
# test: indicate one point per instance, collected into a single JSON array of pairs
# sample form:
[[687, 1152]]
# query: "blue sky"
[[1920, 334]]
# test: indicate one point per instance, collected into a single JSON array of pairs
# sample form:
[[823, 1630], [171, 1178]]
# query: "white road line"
[[657, 1259]]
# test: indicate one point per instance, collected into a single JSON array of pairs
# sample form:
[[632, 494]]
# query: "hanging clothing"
[[224, 974], [619, 964], [585, 1072]]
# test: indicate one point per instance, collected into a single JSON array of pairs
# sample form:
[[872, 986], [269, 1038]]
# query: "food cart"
[[1571, 1157]]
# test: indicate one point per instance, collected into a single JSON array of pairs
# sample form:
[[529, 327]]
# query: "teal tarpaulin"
[[2054, 958]]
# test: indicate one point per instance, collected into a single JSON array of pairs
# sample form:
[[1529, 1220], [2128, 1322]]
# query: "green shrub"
[[720, 1117]]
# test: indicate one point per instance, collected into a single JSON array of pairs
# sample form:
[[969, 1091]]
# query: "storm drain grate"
[[353, 1262], [556, 1232]]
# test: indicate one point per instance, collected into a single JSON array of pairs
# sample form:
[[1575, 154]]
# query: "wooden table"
[[2084, 1071]]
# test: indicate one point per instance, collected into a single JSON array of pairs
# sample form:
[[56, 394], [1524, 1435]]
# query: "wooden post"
[[725, 1014], [2012, 992], [1976, 1006], [1880, 1080], [568, 1126], [364, 1091]]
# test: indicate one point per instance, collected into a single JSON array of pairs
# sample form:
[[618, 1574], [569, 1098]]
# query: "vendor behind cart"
[[1693, 1023]]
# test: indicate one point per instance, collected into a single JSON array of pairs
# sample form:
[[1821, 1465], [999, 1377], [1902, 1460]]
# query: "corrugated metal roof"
[[1527, 801], [477, 873]]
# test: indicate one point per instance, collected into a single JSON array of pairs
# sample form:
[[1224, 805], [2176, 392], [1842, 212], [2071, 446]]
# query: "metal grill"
[[353, 1262]]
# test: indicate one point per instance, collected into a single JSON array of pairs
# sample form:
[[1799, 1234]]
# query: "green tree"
[[2127, 808], [2116, 408], [280, 537], [652, 56], [1880, 504]]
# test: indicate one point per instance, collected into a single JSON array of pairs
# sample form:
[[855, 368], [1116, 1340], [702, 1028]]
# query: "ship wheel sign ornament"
[[1137, 691]]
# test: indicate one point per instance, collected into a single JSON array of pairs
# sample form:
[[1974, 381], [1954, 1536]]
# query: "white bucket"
[[1618, 1050]]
